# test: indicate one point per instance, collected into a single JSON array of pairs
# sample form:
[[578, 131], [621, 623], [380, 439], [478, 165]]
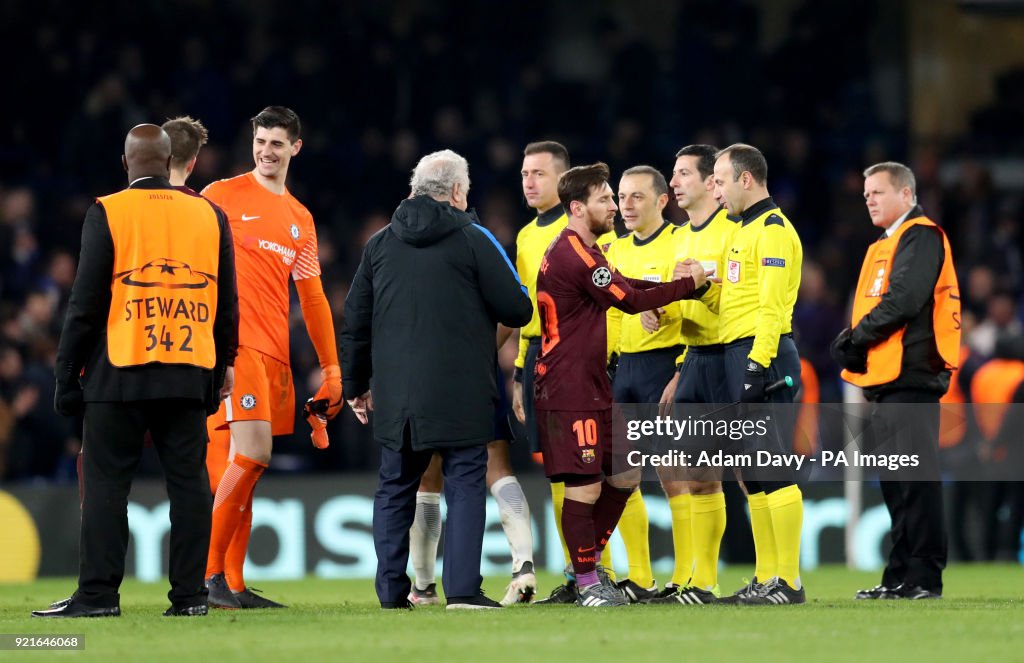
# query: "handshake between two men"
[[651, 320]]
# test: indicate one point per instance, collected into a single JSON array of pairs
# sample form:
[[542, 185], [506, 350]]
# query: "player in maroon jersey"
[[575, 288]]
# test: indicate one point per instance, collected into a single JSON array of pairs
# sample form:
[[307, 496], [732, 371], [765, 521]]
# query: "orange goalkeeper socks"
[[230, 506], [234, 558]]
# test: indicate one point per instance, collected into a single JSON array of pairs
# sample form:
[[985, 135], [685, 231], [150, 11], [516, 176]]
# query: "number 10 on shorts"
[[586, 432]]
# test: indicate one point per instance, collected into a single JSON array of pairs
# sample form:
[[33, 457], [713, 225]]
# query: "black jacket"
[[83, 341], [909, 302], [420, 323]]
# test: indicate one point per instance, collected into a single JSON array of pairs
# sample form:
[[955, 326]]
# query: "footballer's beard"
[[601, 225]]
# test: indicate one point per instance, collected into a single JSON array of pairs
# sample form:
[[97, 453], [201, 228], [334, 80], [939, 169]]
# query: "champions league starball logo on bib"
[[294, 230], [248, 402], [602, 276]]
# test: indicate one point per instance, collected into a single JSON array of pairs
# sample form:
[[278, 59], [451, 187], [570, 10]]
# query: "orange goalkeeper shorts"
[[263, 392]]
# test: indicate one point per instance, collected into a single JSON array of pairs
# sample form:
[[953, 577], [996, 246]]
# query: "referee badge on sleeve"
[[602, 277]]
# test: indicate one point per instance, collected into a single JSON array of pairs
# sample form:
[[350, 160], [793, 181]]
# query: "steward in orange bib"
[[912, 337], [153, 313], [904, 343], [148, 344]]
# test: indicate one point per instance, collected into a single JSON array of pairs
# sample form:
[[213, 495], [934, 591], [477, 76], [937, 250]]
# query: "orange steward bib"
[[885, 360], [164, 286]]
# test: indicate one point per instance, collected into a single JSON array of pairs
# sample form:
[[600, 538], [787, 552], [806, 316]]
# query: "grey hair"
[[900, 175], [438, 172]]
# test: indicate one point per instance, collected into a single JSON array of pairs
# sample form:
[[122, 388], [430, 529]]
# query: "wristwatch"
[[754, 367]]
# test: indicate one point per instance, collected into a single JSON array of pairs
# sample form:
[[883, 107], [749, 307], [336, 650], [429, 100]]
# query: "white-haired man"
[[420, 323]]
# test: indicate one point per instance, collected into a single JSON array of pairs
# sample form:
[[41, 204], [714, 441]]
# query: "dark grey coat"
[[420, 322]]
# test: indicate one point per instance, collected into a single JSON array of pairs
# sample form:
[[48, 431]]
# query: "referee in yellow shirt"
[[645, 361], [760, 280], [698, 507]]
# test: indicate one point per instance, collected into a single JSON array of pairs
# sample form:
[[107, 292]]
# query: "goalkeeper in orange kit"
[[275, 240]]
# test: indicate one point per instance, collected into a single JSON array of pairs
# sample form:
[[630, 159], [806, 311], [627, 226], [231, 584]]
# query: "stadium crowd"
[[387, 87]]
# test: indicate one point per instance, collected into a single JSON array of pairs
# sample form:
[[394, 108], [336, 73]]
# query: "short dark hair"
[[554, 148], [705, 158], [657, 179], [746, 158], [278, 116], [579, 182], [188, 135]]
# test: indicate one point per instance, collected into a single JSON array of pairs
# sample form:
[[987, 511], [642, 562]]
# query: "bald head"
[[147, 152]]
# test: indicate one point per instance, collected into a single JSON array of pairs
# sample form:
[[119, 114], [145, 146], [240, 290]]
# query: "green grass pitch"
[[980, 618]]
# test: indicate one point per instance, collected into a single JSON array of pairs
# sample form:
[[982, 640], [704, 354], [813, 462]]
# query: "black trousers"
[[394, 508], [919, 541], [113, 440]]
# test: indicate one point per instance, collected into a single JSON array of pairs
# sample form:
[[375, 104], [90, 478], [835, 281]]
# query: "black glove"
[[753, 383], [847, 355], [613, 365], [68, 399], [212, 399]]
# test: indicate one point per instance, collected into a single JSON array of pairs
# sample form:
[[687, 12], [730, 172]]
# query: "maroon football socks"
[[578, 527], [607, 511]]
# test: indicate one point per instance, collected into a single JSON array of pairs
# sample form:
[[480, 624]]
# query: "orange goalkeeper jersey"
[[274, 238]]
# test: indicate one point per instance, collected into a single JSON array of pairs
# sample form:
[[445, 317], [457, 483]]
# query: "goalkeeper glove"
[[330, 391], [316, 415]]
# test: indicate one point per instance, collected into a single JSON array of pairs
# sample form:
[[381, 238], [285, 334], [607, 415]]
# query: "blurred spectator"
[[817, 320], [1000, 320]]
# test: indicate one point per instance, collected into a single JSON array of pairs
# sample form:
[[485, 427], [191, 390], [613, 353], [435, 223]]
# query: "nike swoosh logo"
[[249, 218], [585, 550]]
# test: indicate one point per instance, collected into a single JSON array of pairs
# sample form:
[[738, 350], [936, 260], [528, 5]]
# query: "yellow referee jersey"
[[651, 259], [707, 244], [532, 243], [760, 281]]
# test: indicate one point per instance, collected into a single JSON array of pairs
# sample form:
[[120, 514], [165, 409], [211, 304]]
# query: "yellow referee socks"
[[764, 537], [708, 513], [682, 538], [787, 513], [557, 500], [634, 526]]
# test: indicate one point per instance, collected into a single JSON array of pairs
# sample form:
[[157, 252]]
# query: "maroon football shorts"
[[574, 442]]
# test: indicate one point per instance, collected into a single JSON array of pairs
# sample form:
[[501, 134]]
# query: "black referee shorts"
[[641, 376], [785, 363], [527, 433], [702, 376]]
